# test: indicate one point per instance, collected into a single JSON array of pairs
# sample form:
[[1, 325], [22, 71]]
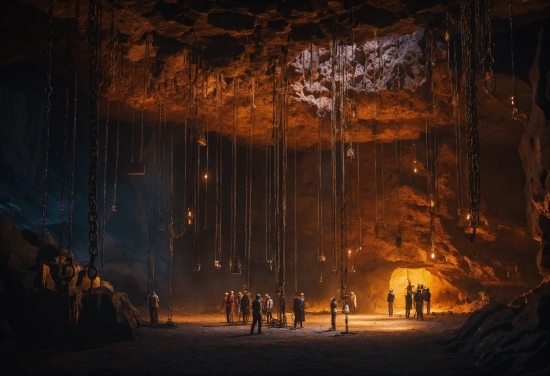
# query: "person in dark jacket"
[[427, 295], [296, 309], [391, 298], [302, 309], [245, 304], [333, 312], [419, 303], [257, 314], [408, 304]]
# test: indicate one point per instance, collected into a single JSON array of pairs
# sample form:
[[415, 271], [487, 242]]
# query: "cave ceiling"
[[181, 54]]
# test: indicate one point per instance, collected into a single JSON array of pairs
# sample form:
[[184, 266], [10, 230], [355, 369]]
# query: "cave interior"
[[279, 146]]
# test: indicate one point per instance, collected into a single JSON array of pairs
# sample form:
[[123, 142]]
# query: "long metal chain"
[[146, 62], [333, 131], [133, 114], [471, 118], [234, 176], [489, 81], [282, 258], [515, 110], [320, 226], [93, 46], [219, 140], [75, 105], [48, 124], [295, 210], [249, 213], [171, 226], [65, 142]]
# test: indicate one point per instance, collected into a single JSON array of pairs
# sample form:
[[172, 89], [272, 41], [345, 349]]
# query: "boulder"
[[106, 317]]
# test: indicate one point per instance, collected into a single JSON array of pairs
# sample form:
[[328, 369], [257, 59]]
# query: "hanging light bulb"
[[432, 202], [202, 140], [415, 169], [206, 175], [189, 217], [350, 152], [349, 253], [197, 267], [468, 216], [217, 264], [322, 257], [359, 248], [353, 111], [433, 255]]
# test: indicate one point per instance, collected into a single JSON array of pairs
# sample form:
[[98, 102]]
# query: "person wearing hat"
[[154, 307], [391, 298], [408, 303], [333, 312], [268, 309], [257, 314]]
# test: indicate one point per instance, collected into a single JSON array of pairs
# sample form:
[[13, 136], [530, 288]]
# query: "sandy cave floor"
[[207, 344]]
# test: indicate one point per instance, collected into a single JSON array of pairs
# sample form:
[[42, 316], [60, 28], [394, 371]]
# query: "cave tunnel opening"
[[445, 296]]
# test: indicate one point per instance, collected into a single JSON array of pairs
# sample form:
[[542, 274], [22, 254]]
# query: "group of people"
[[421, 295], [242, 305]]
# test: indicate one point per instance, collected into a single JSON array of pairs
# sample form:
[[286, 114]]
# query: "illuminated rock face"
[[242, 41]]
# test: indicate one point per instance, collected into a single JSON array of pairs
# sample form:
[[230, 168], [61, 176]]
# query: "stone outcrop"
[[513, 339], [535, 152], [39, 307]]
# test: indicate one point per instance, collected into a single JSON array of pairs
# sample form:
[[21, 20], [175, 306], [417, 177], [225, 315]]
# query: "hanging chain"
[[249, 213], [146, 62], [320, 251], [65, 142], [333, 131], [73, 155], [48, 123], [471, 118], [234, 178], [489, 81], [295, 210], [133, 114], [217, 247], [93, 46], [515, 110], [171, 225]]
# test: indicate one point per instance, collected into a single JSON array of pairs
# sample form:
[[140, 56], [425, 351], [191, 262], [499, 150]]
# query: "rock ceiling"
[[234, 42]]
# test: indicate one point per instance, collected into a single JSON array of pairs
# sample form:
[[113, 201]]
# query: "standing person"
[[238, 302], [296, 309], [154, 307], [268, 309], [427, 295], [264, 304], [419, 303], [224, 302], [391, 298], [257, 314], [245, 305], [353, 302], [333, 312], [408, 304], [302, 309], [229, 307]]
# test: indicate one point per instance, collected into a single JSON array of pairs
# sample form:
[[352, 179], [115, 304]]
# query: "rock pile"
[[39, 306], [510, 339]]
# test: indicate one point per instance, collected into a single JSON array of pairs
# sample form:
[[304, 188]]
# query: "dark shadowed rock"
[[106, 317]]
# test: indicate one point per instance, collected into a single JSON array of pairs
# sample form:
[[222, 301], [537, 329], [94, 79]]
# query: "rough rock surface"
[[535, 153], [510, 339], [39, 307]]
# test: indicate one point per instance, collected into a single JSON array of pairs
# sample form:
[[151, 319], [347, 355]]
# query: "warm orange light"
[[433, 255], [206, 176]]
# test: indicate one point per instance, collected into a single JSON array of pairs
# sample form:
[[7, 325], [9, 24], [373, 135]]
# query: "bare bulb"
[[206, 176], [433, 255], [468, 216]]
